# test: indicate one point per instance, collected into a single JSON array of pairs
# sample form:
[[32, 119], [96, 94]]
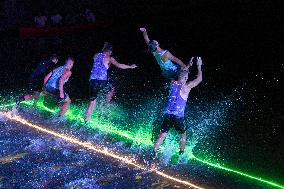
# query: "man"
[[40, 20], [99, 75], [56, 19], [169, 64], [36, 79], [174, 111], [54, 84]]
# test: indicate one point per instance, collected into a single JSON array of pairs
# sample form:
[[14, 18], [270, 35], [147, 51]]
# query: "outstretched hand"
[[143, 29], [133, 66], [189, 65], [190, 62], [199, 61]]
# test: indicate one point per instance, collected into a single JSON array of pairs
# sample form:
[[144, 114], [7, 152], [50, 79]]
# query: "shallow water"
[[111, 126]]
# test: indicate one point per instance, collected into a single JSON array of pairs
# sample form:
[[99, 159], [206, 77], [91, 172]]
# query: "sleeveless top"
[[165, 66], [176, 104], [53, 81], [99, 71]]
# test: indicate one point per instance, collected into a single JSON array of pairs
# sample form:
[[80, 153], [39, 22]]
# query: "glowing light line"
[[102, 150], [7, 105], [238, 172], [130, 137]]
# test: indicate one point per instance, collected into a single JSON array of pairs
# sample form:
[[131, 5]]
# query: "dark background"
[[241, 44]]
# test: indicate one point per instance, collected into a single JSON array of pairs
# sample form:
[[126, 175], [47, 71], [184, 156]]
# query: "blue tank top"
[[168, 65], [176, 104], [53, 81], [99, 71]]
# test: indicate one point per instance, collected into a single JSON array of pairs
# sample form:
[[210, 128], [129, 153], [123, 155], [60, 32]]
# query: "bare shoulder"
[[112, 60], [66, 72], [187, 88]]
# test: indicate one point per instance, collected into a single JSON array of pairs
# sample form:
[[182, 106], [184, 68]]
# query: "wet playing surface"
[[33, 159]]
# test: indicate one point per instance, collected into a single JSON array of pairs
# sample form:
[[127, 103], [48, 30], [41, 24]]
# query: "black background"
[[241, 43]]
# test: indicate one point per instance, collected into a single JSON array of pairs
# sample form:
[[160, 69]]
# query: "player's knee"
[[163, 134], [183, 136], [68, 100]]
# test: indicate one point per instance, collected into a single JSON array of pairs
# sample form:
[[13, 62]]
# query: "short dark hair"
[[152, 46], [107, 47], [182, 73], [53, 56], [70, 58]]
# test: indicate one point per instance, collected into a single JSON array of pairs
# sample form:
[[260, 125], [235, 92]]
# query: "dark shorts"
[[172, 121], [97, 86], [56, 93], [109, 87], [35, 84]]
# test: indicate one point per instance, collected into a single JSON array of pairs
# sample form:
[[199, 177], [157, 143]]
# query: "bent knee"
[[68, 100]]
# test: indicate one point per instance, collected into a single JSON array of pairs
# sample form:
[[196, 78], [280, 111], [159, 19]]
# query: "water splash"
[[204, 118]]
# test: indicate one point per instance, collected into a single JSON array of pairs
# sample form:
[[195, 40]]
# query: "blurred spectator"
[[89, 16], [56, 19], [40, 20]]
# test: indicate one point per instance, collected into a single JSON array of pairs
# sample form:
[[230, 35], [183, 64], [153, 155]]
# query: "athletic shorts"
[[97, 86], [56, 93], [109, 87], [172, 121], [35, 84]]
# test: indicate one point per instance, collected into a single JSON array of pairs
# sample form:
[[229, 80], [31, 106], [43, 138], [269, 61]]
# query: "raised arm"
[[122, 66], [175, 59], [145, 35], [62, 79], [198, 79]]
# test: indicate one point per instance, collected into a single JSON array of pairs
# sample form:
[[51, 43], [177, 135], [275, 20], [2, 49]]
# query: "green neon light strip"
[[238, 172], [108, 128], [7, 105]]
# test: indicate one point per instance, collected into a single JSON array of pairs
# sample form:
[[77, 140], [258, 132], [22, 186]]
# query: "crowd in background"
[[56, 19]]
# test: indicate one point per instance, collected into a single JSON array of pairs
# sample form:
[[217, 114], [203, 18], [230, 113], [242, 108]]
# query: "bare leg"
[[36, 95], [90, 109], [28, 97], [65, 106], [159, 141], [110, 95], [182, 142]]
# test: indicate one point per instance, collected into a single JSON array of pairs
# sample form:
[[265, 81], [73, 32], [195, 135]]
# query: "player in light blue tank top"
[[174, 110], [169, 64], [53, 81], [54, 84]]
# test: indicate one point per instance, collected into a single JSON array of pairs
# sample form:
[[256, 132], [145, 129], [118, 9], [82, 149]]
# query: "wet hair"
[[107, 47], [182, 74], [152, 45]]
